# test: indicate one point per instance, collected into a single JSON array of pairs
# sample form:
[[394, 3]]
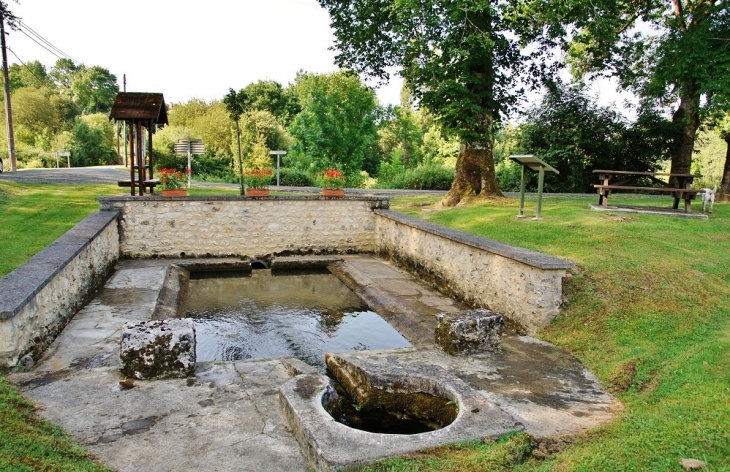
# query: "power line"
[[39, 44], [45, 40], [58, 53]]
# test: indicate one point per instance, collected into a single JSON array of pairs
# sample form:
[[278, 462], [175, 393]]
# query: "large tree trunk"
[[686, 120], [725, 184], [475, 173]]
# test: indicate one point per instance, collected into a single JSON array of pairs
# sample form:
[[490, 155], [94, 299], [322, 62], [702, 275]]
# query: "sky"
[[188, 49], [181, 48]]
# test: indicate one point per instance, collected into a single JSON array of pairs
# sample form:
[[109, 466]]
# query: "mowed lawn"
[[647, 310]]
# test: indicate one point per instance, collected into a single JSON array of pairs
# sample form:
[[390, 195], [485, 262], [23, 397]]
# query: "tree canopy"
[[458, 58], [670, 52], [336, 127], [576, 136]]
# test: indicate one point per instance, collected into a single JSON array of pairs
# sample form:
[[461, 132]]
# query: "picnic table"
[[682, 191]]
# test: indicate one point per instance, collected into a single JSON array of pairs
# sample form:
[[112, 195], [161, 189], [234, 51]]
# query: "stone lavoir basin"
[[374, 403], [260, 314], [281, 413]]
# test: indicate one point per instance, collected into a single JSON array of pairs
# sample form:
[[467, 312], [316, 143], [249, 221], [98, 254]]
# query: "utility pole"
[[6, 87]]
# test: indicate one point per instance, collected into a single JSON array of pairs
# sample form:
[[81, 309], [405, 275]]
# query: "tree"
[[458, 59], [62, 74], [576, 136], [94, 89], [235, 103], [679, 56], [403, 131], [93, 141], [33, 74], [336, 126], [33, 109], [214, 128], [66, 110], [270, 96], [7, 16]]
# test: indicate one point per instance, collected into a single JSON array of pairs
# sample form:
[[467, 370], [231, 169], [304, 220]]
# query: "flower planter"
[[178, 192], [257, 192], [333, 192]]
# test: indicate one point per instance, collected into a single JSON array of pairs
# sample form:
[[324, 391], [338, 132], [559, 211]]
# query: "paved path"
[[77, 175], [112, 174]]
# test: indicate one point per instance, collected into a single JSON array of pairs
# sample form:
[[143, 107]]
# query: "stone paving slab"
[[406, 303]]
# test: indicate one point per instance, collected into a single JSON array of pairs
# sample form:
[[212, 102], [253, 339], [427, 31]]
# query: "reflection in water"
[[289, 315]]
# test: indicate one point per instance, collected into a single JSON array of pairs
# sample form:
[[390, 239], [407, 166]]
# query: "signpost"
[[190, 147], [278, 155], [65, 154], [528, 161]]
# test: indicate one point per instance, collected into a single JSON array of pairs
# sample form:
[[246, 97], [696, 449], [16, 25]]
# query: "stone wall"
[[39, 297], [523, 285], [236, 226]]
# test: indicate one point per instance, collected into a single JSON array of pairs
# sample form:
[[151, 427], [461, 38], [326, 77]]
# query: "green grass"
[[647, 310], [34, 215], [28, 443]]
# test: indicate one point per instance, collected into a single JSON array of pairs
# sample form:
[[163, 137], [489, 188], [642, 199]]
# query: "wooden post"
[[131, 155], [140, 158], [149, 149]]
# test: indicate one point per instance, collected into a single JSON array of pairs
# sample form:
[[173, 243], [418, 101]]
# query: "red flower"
[[331, 178]]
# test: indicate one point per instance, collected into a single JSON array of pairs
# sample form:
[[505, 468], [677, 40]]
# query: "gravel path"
[[112, 174], [74, 175]]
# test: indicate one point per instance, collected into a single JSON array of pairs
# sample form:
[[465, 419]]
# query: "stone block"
[[158, 349], [470, 331]]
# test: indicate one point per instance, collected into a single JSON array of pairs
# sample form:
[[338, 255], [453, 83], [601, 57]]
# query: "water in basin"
[[282, 314]]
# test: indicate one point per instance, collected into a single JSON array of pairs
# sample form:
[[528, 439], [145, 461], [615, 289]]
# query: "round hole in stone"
[[399, 410]]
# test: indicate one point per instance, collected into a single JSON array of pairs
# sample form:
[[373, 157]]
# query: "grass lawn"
[[647, 310]]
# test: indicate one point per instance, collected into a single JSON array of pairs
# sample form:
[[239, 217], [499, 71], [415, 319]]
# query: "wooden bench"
[[682, 191], [148, 184]]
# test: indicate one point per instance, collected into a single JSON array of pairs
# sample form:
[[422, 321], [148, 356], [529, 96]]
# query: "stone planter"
[[178, 192], [333, 192], [257, 192]]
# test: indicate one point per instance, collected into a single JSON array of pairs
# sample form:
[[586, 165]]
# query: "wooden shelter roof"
[[139, 106]]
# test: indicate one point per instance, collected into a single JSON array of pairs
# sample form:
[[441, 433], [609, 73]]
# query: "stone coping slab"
[[379, 202], [19, 287], [526, 256]]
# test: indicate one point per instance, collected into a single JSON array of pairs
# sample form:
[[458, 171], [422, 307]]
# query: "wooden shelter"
[[140, 110]]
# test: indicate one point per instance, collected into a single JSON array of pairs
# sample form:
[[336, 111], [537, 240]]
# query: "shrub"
[[30, 157], [169, 161], [213, 169], [509, 176], [295, 178], [428, 177]]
